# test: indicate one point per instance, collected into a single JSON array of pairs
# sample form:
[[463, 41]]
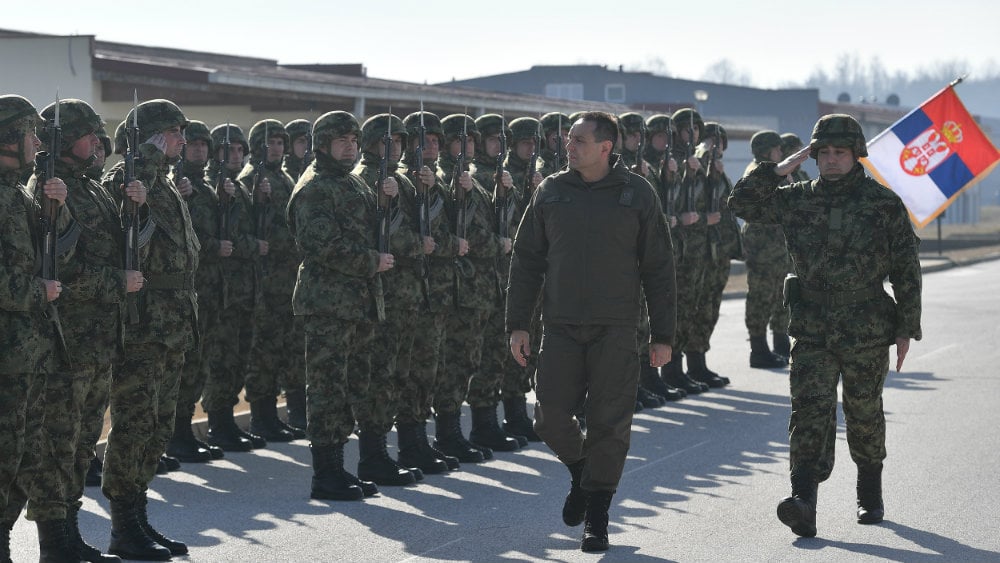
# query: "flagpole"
[[957, 81]]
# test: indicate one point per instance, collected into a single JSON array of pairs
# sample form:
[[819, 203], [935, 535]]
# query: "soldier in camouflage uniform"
[[299, 148], [522, 164], [76, 395], [475, 292], [402, 289], [724, 245], [767, 264], [338, 295], [555, 128], [423, 371], [846, 234], [30, 335], [145, 383], [487, 386], [228, 343], [277, 353], [203, 206]]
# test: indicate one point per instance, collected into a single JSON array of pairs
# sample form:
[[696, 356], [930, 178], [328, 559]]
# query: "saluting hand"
[[786, 166]]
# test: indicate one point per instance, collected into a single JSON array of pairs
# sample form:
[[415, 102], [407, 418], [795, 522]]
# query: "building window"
[[614, 93], [564, 91]]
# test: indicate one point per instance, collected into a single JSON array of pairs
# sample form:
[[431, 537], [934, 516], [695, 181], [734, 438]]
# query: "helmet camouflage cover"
[[682, 120], [17, 117], [550, 121], [156, 116], [452, 126], [631, 122], [235, 136], [298, 128], [76, 120], [198, 131], [712, 129], [523, 128], [373, 129], [838, 130], [762, 142], [274, 128], [334, 124]]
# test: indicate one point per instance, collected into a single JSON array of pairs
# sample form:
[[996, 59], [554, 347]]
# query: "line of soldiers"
[[360, 269]]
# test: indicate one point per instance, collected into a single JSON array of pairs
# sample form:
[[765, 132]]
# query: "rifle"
[[423, 209], [130, 209], [640, 149], [529, 172], [178, 167], [500, 202], [685, 184], [261, 201], [383, 200], [714, 238], [225, 201], [459, 194], [668, 179], [48, 225], [560, 155]]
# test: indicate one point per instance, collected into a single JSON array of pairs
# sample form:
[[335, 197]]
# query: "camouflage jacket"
[[550, 162], [332, 216], [845, 237], [293, 166], [477, 275], [168, 303], [724, 239], [692, 196], [440, 263], [241, 269], [608, 233], [29, 338], [281, 265], [93, 295], [203, 206], [764, 243], [403, 284]]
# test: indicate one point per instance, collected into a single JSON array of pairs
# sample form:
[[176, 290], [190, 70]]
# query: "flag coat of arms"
[[931, 155]]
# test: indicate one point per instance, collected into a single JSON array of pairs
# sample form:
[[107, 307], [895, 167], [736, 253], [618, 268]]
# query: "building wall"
[[35, 67]]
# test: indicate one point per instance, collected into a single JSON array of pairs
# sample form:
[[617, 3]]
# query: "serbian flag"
[[932, 155]]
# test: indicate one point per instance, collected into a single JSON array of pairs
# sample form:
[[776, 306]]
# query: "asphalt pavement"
[[701, 483]]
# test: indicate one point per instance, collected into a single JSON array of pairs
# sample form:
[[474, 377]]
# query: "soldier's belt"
[[169, 281], [837, 298]]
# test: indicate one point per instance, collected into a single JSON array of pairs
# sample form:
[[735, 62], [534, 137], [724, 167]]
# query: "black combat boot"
[[649, 378], [698, 371], [450, 441], [575, 507], [673, 374], [329, 481], [798, 511], [486, 431], [871, 510], [94, 473], [53, 543], [516, 421], [782, 344], [648, 399], [141, 514], [762, 357], [223, 432], [375, 464], [264, 421], [170, 463], [256, 440], [595, 528], [413, 453], [84, 551], [295, 407], [128, 539], [184, 446]]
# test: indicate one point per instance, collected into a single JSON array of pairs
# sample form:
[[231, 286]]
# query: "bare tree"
[[724, 71]]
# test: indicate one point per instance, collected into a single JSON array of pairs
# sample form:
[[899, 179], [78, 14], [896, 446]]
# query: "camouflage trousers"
[[75, 404], [707, 314], [338, 363], [812, 429], [496, 366], [595, 370], [22, 414], [375, 409], [143, 403], [463, 357], [195, 370], [692, 299], [276, 359], [418, 371], [764, 303], [227, 351]]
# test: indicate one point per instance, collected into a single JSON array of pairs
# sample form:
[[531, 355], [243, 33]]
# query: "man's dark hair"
[[606, 126]]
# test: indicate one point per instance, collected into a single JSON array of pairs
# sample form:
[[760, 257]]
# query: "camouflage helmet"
[[762, 142], [790, 142], [198, 131], [297, 128], [156, 116], [102, 134], [524, 128], [334, 124], [76, 120], [432, 124], [17, 117], [631, 122], [274, 128], [491, 124], [235, 136], [682, 120], [573, 117], [659, 123], [373, 129], [454, 124], [839, 130], [550, 121], [712, 129]]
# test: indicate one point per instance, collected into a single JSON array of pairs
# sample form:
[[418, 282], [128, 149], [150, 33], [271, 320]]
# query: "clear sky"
[[774, 42]]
